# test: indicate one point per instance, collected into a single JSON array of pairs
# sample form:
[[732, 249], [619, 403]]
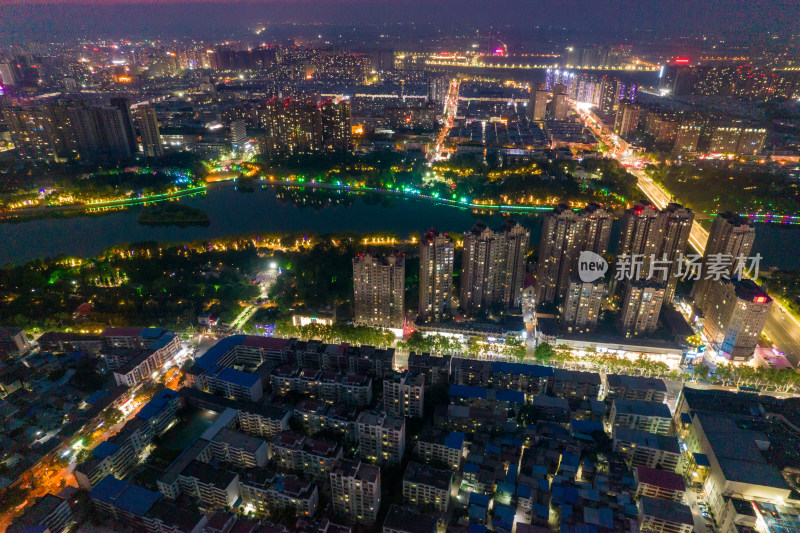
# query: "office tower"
[[379, 290], [686, 138], [565, 234], [404, 394], [124, 106], [151, 136], [732, 236], [677, 227], [582, 305], [238, 135], [337, 128], [627, 118], [438, 87], [381, 437], [493, 267], [560, 104], [735, 313], [435, 275], [641, 305], [537, 107], [356, 490]]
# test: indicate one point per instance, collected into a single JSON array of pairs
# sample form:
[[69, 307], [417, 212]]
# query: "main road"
[[782, 328]]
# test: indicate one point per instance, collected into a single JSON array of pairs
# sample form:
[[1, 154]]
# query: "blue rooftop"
[[151, 333], [476, 528], [124, 495], [511, 396], [522, 368], [237, 377], [465, 391], [105, 449], [213, 354], [701, 459], [477, 512], [477, 498], [585, 426], [95, 397], [504, 516], [157, 404], [471, 468], [455, 440], [162, 341]]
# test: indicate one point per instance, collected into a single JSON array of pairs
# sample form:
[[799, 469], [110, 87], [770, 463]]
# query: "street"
[[782, 328]]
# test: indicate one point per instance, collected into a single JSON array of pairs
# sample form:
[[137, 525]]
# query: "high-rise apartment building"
[[565, 234], [582, 305], [379, 290], [686, 138], [627, 118], [32, 130], [560, 104], [493, 267], [438, 87], [124, 106], [735, 313], [337, 131], [641, 306], [537, 107], [677, 227], [739, 139], [301, 126], [238, 135], [436, 256], [641, 236], [731, 235], [356, 490], [151, 135]]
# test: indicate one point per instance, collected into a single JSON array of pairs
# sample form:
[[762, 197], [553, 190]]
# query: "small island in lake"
[[172, 213]]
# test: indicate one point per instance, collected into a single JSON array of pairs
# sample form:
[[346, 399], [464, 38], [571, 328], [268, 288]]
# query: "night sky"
[[35, 19]]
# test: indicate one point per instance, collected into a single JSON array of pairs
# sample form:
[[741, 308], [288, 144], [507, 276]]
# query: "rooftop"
[[641, 408], [666, 510], [124, 495], [660, 478], [36, 513], [239, 440], [636, 382], [645, 439], [410, 521], [427, 475]]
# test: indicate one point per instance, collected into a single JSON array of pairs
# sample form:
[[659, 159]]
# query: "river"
[[233, 212]]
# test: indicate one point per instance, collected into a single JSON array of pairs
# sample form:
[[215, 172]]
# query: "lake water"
[[233, 212]]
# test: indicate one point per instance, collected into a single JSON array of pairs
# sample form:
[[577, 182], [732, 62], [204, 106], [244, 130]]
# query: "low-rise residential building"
[[402, 520], [647, 416], [381, 437], [439, 447], [659, 484], [576, 384], [640, 448], [312, 457], [266, 491], [433, 369], [404, 394], [49, 513], [427, 487], [139, 509], [356, 490], [625, 387], [213, 487], [664, 516]]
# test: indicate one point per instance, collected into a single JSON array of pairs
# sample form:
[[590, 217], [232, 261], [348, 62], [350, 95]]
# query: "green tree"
[[543, 353], [112, 416]]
